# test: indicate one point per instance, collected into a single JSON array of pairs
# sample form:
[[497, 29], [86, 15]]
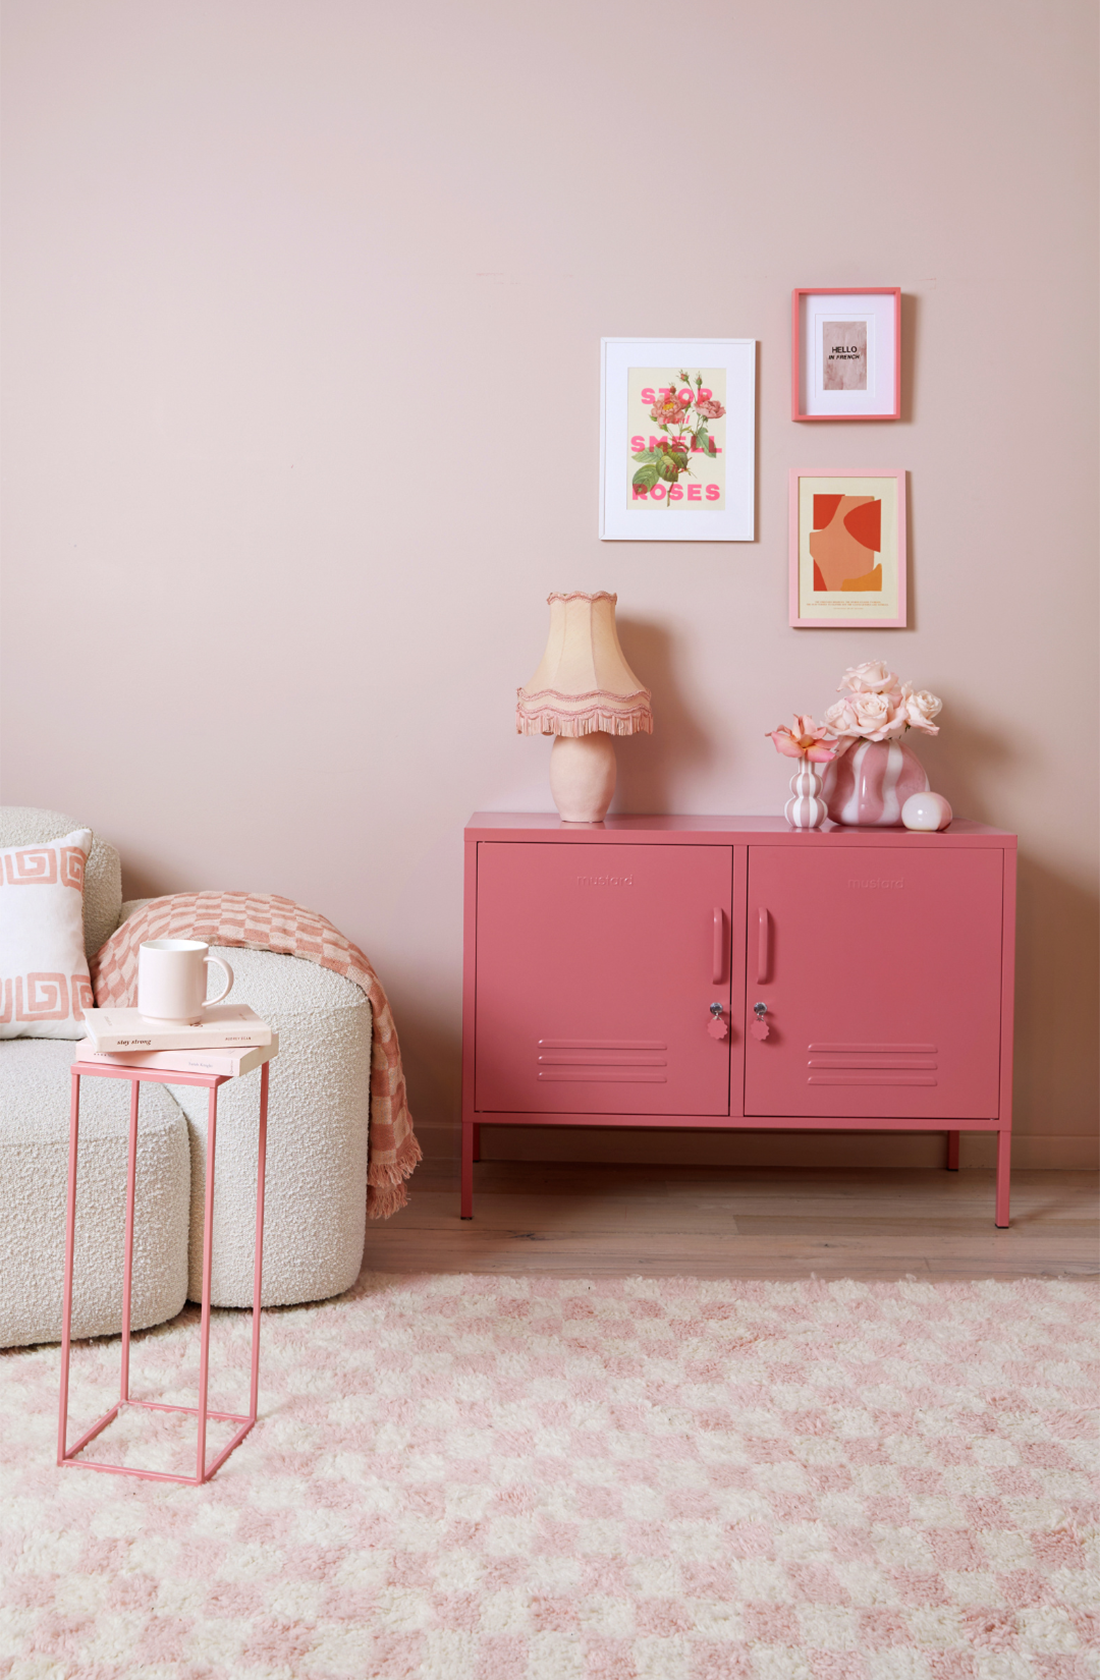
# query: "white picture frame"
[[711, 496]]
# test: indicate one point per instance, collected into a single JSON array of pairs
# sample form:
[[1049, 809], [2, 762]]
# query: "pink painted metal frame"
[[796, 346], [739, 832], [66, 1455], [898, 623]]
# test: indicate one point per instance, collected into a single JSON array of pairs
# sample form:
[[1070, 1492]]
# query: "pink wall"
[[303, 310]]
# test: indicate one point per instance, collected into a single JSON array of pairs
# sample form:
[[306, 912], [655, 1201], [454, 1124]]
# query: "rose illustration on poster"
[[677, 437]]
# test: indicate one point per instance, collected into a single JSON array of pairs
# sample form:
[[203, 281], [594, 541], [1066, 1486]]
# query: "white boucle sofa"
[[316, 1159]]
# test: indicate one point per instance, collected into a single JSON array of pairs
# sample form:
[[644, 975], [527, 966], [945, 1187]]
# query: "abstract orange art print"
[[848, 549]]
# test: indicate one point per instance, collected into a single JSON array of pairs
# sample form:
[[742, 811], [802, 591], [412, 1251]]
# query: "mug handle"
[[228, 983]]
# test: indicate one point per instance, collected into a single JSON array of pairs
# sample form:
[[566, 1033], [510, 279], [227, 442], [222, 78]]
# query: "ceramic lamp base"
[[582, 776]]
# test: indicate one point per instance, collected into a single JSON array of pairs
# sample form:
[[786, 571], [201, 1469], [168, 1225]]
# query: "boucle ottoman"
[[34, 1166], [318, 1106]]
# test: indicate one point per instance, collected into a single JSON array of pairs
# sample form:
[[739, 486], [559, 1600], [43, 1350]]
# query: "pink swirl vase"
[[868, 785]]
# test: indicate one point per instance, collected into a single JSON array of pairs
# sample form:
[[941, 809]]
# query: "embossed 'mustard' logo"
[[605, 880]]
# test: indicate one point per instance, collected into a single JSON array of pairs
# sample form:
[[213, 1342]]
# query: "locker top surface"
[[719, 830]]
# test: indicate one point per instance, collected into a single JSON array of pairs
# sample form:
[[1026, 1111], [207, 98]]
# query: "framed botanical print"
[[847, 549], [846, 353], [678, 439]]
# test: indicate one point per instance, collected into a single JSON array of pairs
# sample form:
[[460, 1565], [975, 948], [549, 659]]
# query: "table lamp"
[[583, 693]]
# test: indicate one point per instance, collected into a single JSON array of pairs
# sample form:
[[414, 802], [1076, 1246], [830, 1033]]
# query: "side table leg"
[[1004, 1175], [466, 1203], [128, 1260], [952, 1151], [207, 1251], [70, 1238], [257, 1282]]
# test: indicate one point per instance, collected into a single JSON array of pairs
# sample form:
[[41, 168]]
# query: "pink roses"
[[876, 707]]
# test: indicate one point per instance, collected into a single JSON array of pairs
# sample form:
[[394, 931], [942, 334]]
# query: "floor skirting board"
[[1057, 1153]]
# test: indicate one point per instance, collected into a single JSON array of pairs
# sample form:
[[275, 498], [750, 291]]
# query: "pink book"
[[230, 1063], [223, 1025]]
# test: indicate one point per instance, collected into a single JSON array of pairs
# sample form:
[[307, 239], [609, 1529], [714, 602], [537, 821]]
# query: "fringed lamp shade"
[[584, 683]]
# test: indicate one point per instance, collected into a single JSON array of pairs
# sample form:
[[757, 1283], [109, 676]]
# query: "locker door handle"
[[763, 948], [718, 964]]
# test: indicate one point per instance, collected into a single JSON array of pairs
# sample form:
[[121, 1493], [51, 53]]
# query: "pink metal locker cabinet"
[[880, 972], [881, 962], [597, 966]]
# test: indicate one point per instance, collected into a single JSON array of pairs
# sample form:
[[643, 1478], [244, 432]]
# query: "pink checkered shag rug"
[[487, 1478]]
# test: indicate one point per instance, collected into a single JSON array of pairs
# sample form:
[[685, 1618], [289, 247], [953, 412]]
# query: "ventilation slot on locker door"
[[611, 1061], [872, 1064]]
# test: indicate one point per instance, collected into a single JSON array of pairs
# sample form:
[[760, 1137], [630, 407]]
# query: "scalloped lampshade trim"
[[551, 713]]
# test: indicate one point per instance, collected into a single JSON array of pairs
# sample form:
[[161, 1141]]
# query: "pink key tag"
[[760, 1030], [717, 1027]]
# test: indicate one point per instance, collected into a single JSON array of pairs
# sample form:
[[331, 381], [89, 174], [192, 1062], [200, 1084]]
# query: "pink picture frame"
[[847, 549], [846, 353]]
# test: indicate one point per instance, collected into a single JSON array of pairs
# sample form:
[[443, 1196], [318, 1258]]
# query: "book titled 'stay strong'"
[[230, 1024], [224, 1060]]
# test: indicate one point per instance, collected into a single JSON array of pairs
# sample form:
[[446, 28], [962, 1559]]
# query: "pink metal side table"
[[66, 1456]]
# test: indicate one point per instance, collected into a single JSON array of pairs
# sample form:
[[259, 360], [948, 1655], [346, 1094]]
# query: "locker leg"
[[466, 1205], [1004, 1173], [952, 1151], [477, 1143]]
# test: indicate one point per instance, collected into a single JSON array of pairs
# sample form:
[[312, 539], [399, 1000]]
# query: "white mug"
[[172, 979]]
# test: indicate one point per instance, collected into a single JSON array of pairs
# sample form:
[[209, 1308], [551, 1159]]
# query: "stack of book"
[[229, 1040]]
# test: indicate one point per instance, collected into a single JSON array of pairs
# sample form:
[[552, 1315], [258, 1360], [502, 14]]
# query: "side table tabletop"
[[66, 1455]]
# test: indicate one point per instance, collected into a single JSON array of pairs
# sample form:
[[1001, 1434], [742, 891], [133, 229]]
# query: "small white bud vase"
[[806, 809]]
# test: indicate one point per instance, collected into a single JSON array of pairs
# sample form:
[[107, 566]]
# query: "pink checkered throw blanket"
[[265, 922]]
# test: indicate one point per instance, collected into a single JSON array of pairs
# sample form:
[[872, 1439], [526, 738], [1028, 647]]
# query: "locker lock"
[[717, 1027], [760, 1028]]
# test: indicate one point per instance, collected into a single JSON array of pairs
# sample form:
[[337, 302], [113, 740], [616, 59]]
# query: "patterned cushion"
[[27, 825], [44, 984]]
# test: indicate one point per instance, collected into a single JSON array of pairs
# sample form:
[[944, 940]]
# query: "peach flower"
[[920, 708], [841, 720], [874, 717], [710, 408], [806, 740], [872, 677]]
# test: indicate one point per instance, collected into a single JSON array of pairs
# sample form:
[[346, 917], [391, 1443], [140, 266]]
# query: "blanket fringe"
[[382, 1200], [386, 1190]]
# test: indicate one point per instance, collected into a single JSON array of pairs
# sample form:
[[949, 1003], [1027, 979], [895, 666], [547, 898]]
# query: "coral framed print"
[[846, 353], [678, 440], [847, 554]]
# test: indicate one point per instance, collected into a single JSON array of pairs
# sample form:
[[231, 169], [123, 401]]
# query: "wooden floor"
[[756, 1222]]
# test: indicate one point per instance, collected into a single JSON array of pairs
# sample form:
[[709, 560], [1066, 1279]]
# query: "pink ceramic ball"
[[926, 812]]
